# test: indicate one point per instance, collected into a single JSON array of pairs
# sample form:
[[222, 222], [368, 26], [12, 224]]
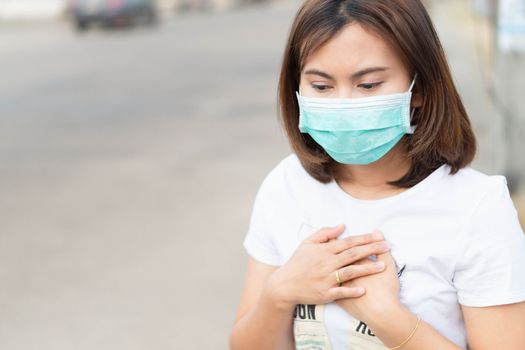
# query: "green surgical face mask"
[[356, 130]]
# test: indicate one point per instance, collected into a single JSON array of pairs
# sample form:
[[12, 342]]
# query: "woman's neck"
[[371, 181]]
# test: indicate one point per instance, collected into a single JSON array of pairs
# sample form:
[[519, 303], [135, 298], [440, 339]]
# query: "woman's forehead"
[[351, 50]]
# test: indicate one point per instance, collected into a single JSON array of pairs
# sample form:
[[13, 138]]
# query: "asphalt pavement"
[[129, 162]]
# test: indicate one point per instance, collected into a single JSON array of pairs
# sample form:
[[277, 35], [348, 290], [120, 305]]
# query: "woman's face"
[[355, 63]]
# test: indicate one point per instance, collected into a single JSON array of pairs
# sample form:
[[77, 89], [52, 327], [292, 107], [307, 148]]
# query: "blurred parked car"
[[112, 12]]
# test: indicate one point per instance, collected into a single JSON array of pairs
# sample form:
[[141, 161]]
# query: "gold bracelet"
[[410, 336]]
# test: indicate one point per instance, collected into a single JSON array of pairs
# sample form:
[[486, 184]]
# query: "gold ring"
[[337, 277]]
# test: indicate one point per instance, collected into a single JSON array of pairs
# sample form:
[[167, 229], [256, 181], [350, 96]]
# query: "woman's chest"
[[421, 241], [425, 249]]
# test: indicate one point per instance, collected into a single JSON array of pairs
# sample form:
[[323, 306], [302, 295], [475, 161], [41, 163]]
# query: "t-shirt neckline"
[[432, 177]]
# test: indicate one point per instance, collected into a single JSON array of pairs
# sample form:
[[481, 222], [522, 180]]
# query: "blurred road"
[[129, 162]]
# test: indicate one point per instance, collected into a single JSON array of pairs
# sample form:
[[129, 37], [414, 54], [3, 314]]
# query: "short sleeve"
[[491, 267], [259, 241]]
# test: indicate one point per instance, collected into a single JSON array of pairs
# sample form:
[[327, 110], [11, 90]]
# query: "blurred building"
[[500, 28], [11, 10]]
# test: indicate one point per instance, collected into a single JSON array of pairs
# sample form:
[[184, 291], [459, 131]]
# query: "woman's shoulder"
[[291, 166], [288, 172], [476, 195], [470, 174], [492, 245], [475, 184], [288, 181]]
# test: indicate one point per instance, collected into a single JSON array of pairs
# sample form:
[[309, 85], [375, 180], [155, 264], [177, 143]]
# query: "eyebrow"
[[354, 76]]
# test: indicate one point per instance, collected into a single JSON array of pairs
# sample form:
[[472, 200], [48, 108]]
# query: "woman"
[[375, 233]]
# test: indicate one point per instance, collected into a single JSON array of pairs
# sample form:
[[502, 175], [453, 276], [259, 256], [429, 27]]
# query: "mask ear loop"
[[412, 128], [413, 83]]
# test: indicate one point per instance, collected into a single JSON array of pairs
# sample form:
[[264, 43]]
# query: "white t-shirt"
[[456, 239]]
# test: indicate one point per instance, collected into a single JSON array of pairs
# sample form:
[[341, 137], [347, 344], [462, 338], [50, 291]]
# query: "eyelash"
[[366, 86], [320, 88], [370, 85]]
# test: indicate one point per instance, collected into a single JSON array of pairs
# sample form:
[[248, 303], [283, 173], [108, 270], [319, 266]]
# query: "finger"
[[366, 260], [357, 253], [387, 258], [350, 272], [344, 292], [339, 245], [326, 234]]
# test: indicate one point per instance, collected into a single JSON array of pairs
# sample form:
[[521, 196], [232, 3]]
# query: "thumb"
[[326, 234]]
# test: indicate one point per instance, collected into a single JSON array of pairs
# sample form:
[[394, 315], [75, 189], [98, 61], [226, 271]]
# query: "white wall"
[[31, 9]]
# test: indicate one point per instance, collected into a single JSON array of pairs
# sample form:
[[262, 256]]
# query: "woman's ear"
[[417, 100]]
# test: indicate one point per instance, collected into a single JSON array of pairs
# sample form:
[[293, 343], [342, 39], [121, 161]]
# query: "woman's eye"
[[369, 86], [320, 87]]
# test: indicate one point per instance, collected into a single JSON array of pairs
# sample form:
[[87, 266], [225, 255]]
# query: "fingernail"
[[385, 245], [360, 290]]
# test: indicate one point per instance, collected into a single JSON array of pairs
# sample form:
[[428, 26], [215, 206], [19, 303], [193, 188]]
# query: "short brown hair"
[[444, 134]]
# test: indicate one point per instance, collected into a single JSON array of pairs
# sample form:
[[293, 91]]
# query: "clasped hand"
[[309, 276], [381, 290]]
